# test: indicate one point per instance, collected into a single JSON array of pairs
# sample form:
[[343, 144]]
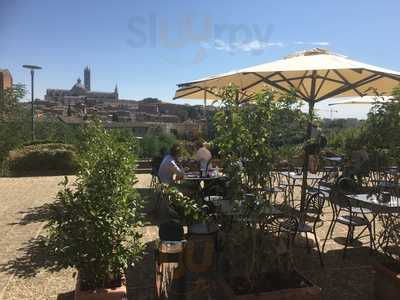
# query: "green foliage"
[[93, 226], [15, 125], [153, 145], [381, 130], [256, 252], [390, 235], [57, 131], [9, 99], [254, 133], [344, 141], [42, 159], [189, 211], [16, 132], [250, 138], [379, 133]]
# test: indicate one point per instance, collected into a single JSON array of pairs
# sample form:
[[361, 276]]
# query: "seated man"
[[168, 167]]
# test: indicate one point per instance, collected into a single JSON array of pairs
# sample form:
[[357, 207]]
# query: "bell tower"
[[86, 78], [116, 96]]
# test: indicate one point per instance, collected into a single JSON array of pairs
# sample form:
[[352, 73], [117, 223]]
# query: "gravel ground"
[[22, 275], [22, 218]]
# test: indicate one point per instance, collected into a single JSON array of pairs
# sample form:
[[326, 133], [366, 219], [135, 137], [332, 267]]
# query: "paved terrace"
[[23, 276]]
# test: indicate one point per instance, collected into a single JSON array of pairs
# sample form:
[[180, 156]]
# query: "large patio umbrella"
[[314, 75], [363, 101]]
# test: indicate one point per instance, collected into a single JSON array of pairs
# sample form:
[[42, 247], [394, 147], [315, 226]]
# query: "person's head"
[[199, 144], [175, 150]]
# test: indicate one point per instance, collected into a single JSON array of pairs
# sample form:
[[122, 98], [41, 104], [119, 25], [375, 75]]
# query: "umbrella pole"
[[205, 113], [306, 155]]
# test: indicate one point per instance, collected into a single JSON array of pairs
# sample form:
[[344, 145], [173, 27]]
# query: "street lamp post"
[[32, 68]]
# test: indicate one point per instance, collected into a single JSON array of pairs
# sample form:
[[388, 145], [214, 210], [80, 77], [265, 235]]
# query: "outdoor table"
[[333, 159], [265, 216], [292, 177], [200, 180], [324, 191], [372, 203], [334, 164], [377, 207]]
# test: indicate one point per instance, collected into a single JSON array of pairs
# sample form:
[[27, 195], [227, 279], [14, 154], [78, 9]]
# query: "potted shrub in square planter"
[[387, 280], [387, 273], [93, 224], [256, 265]]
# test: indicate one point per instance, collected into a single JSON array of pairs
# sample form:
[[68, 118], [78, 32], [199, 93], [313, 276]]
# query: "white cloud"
[[254, 45], [320, 43], [312, 43]]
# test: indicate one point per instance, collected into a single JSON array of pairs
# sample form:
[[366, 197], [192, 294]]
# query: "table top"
[[323, 190], [393, 172], [295, 176], [333, 158], [371, 202], [197, 177]]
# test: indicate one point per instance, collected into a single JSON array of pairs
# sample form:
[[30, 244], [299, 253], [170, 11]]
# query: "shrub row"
[[42, 159]]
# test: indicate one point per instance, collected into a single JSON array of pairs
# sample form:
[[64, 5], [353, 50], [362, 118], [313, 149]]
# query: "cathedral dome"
[[78, 88]]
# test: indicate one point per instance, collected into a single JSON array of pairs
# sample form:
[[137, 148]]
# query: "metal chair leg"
[[319, 251], [347, 241], [371, 240], [329, 230]]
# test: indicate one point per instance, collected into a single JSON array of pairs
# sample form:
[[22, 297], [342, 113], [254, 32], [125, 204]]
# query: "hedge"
[[42, 159]]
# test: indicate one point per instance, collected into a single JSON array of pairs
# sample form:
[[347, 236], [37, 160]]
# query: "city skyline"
[[123, 42]]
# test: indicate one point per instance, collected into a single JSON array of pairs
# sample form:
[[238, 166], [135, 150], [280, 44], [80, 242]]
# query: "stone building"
[[86, 78], [6, 80], [81, 93]]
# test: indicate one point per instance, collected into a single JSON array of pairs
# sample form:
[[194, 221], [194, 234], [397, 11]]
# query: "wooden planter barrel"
[[118, 293], [386, 283], [169, 261], [311, 292], [190, 263]]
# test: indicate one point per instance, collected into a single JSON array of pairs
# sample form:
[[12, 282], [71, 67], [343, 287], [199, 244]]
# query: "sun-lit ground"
[[22, 274]]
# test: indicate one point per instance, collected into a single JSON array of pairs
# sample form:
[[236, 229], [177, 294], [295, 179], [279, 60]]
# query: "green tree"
[[93, 226], [9, 99], [253, 133], [153, 145], [14, 121], [381, 130]]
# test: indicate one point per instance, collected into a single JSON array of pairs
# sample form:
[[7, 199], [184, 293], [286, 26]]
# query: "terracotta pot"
[[118, 293], [305, 293], [386, 283]]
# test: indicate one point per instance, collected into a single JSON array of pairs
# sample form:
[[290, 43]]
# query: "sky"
[[147, 47]]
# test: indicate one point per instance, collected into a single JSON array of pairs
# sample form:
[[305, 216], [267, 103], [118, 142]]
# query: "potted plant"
[[200, 248], [93, 224], [387, 272], [255, 265], [258, 266], [188, 211]]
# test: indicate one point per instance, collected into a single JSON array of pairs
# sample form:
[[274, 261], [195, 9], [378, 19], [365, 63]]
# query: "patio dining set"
[[276, 207]]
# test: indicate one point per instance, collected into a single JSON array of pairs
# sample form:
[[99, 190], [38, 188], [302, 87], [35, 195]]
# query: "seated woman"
[[203, 156], [358, 165]]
